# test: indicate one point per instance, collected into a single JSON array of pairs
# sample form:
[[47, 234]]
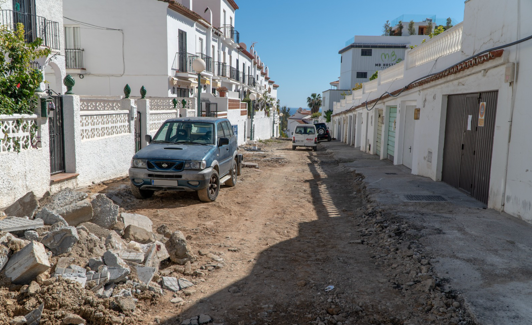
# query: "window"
[[200, 45], [220, 131], [181, 92], [362, 75], [367, 52], [73, 52], [185, 132], [228, 130]]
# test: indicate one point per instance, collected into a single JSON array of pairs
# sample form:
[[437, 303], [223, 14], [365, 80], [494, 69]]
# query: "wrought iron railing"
[[34, 27], [251, 81], [183, 62], [223, 69], [74, 58], [208, 62], [234, 74], [230, 32]]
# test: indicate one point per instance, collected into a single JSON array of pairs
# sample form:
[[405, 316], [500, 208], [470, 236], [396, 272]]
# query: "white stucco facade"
[[510, 179]]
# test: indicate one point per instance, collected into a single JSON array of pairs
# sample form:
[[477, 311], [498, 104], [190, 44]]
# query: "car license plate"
[[299, 140], [163, 182]]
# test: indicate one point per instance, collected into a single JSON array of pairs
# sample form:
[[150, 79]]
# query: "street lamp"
[[199, 66], [253, 97]]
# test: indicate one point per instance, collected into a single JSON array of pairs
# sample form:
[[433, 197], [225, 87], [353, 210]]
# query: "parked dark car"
[[187, 154], [323, 131]]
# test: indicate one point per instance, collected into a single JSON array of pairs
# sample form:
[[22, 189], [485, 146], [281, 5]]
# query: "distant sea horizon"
[[294, 110]]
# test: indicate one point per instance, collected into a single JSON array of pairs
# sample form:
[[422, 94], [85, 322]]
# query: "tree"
[[400, 27], [18, 80], [449, 23], [387, 28], [440, 29], [411, 28], [328, 116], [316, 115], [314, 102], [374, 76]]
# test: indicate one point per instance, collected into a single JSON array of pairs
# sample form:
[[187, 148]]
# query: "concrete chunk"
[[184, 283], [137, 220], [73, 273], [23, 207], [61, 240], [132, 256], [99, 278], [138, 234], [170, 283], [49, 217], [118, 269], [29, 262], [31, 235], [145, 274], [105, 211], [76, 213], [97, 230], [4, 256], [34, 317], [94, 263], [178, 249], [19, 224]]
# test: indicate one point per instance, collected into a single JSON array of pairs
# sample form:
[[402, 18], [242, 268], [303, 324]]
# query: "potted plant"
[[222, 91]]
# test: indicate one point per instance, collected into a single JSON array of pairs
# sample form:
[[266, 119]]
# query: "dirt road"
[[295, 242]]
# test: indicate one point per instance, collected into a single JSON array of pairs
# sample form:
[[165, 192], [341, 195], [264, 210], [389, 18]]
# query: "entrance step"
[[63, 180]]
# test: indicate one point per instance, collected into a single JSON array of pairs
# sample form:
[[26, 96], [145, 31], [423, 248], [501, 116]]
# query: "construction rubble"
[[72, 258]]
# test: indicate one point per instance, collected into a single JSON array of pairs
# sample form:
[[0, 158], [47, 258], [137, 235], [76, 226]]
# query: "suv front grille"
[[166, 165], [156, 176]]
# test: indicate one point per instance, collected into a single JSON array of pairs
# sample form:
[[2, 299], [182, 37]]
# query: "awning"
[[205, 81], [182, 82]]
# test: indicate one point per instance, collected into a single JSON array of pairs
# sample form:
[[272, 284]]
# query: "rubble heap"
[[76, 259]]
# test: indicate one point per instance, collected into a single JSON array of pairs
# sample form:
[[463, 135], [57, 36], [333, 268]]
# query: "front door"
[[468, 148], [392, 121], [57, 143], [408, 144]]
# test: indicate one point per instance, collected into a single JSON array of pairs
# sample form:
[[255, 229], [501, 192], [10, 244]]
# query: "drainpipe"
[[209, 48]]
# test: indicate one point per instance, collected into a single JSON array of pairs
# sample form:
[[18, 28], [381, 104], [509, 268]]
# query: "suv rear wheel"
[[210, 193], [140, 194]]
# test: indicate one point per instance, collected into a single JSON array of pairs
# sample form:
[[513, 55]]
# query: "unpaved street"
[[295, 242]]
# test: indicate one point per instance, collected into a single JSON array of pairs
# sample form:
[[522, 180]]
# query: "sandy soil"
[[268, 248]]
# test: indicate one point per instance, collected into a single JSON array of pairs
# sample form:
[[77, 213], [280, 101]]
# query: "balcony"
[[183, 63], [441, 45], [234, 74], [222, 69], [74, 58], [208, 62], [251, 81], [34, 27], [230, 32]]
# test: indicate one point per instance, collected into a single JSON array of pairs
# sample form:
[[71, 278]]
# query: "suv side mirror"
[[223, 142], [148, 138]]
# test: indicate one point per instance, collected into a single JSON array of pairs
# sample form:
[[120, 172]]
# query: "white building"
[[368, 54], [153, 44], [464, 116], [301, 116], [41, 19]]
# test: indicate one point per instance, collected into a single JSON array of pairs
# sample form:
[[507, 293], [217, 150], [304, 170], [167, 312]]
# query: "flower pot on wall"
[[222, 93]]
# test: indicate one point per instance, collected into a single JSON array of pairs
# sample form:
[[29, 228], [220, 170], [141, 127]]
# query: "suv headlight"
[[193, 164], [139, 163]]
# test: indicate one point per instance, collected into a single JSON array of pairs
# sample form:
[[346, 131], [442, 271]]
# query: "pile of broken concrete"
[[72, 258]]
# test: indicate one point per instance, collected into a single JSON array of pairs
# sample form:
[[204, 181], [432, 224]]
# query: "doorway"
[[392, 122], [408, 143]]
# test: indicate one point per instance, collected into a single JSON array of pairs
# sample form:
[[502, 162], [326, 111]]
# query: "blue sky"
[[299, 40]]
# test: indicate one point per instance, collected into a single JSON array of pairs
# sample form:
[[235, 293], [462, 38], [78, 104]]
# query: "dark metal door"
[[57, 143], [484, 147], [182, 51], [468, 146], [467, 161]]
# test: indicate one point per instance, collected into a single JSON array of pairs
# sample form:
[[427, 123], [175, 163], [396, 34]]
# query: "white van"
[[305, 136]]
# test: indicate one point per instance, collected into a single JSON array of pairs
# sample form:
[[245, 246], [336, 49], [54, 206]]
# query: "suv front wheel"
[[210, 193]]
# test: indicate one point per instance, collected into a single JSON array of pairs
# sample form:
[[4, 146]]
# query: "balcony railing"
[[441, 45], [251, 81], [208, 62], [74, 58], [222, 69], [34, 27], [234, 74], [183, 62], [230, 32]]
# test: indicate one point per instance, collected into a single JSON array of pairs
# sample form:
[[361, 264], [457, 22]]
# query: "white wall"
[[25, 171], [122, 21]]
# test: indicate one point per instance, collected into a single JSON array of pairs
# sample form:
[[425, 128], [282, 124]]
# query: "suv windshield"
[[185, 132]]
